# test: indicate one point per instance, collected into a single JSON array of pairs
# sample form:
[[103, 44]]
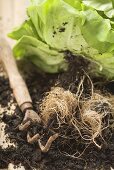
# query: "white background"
[[12, 13]]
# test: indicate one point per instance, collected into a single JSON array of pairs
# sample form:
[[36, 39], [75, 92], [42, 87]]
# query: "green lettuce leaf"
[[40, 54], [54, 26], [27, 28], [107, 6]]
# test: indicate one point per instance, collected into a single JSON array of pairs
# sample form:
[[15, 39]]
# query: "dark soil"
[[30, 155]]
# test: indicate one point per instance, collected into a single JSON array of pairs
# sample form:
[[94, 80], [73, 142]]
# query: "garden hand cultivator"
[[22, 95]]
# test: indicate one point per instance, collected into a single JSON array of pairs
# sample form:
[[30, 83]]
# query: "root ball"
[[58, 101], [93, 112]]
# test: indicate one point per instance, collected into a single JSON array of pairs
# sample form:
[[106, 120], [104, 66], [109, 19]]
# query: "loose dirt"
[[63, 153]]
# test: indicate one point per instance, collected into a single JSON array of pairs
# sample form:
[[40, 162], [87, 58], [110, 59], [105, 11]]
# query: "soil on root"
[[59, 156]]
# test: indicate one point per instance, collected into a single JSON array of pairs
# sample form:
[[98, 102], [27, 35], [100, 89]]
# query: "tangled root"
[[94, 120], [58, 101], [93, 112], [84, 116]]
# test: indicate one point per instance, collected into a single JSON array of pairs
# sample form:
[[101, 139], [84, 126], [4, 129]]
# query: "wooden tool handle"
[[17, 83]]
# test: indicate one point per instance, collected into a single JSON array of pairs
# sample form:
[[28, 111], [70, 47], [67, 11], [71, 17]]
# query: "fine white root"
[[86, 120], [92, 115], [58, 101], [94, 120]]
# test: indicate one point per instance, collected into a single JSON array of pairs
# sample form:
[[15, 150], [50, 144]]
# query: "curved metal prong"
[[48, 144], [32, 139], [24, 126]]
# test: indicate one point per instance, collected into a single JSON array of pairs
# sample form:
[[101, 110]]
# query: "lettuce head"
[[84, 27]]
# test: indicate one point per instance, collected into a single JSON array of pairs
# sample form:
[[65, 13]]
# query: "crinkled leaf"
[[27, 28], [107, 6], [39, 53], [81, 26]]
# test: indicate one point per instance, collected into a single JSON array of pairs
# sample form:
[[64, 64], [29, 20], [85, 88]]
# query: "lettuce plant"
[[84, 27]]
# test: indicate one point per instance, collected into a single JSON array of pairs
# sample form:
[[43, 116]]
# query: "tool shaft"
[[17, 83]]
